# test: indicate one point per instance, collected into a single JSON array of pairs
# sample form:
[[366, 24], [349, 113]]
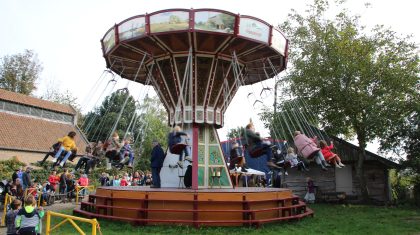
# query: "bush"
[[41, 173], [405, 187], [7, 167]]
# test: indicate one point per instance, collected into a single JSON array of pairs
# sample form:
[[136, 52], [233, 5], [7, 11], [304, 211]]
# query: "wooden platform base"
[[211, 207]]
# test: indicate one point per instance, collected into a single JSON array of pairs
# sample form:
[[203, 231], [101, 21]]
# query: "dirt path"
[[57, 207]]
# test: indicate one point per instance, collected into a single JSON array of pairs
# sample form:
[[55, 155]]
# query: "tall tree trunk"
[[360, 174]]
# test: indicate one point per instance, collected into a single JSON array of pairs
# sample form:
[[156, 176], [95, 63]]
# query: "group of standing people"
[[24, 215]]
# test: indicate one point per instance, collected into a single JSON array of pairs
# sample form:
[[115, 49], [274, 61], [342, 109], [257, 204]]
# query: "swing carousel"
[[196, 60]]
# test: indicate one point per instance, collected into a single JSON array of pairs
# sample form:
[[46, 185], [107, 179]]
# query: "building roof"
[[35, 102], [18, 132], [350, 153]]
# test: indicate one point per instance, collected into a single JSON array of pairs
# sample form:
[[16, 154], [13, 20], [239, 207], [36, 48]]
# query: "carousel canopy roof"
[[209, 32]]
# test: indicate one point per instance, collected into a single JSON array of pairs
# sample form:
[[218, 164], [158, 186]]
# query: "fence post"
[[6, 201], [94, 225], [47, 229], [39, 198], [77, 195]]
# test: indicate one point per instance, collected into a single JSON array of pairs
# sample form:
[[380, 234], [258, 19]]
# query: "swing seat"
[[178, 148], [312, 155], [257, 152]]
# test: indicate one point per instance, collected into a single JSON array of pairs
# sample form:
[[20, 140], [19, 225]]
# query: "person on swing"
[[174, 140], [67, 144], [254, 142], [237, 159], [308, 149]]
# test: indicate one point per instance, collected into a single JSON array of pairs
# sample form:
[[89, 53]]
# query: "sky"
[[66, 37]]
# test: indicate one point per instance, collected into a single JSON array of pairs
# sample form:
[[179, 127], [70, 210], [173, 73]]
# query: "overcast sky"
[[66, 34]]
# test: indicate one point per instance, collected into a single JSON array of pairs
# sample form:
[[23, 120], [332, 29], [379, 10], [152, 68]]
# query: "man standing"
[[156, 163], [26, 178]]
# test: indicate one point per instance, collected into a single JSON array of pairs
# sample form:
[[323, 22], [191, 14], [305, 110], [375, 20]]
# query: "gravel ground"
[[57, 207]]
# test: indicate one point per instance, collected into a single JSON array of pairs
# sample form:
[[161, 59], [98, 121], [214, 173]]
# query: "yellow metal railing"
[[80, 188], [7, 200], [71, 219]]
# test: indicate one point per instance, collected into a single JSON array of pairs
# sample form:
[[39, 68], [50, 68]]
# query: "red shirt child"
[[53, 179], [326, 151], [32, 190], [124, 182], [83, 181]]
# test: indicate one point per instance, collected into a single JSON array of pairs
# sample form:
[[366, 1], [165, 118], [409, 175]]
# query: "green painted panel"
[[200, 176], [224, 178], [201, 153], [212, 137], [215, 156], [201, 132]]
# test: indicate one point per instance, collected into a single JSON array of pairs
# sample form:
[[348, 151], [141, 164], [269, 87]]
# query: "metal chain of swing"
[[126, 99], [181, 103], [298, 115]]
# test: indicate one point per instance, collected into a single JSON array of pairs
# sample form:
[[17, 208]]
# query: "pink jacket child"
[[308, 149]]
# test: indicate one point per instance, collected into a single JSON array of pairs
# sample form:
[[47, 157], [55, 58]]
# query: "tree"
[[237, 132], [19, 73], [289, 116], [155, 127], [357, 83], [62, 98], [405, 138], [148, 124], [98, 123]]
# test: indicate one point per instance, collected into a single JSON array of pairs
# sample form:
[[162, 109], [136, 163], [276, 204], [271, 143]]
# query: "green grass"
[[328, 219]]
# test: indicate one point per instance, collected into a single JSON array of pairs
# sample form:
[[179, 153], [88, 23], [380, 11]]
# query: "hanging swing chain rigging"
[[145, 124], [284, 136], [91, 92], [303, 116], [295, 110], [181, 100], [126, 99], [102, 122], [131, 125], [93, 119], [272, 124], [96, 84], [309, 130]]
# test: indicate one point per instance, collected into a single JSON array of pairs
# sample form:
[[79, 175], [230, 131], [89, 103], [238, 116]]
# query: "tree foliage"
[[154, 117], [65, 97], [406, 138], [237, 132], [19, 73], [356, 82], [291, 115], [149, 123], [99, 122]]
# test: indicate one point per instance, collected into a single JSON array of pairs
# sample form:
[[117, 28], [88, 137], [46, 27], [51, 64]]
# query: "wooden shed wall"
[[375, 173]]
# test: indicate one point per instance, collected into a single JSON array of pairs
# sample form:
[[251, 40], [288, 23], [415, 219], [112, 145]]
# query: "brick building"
[[29, 126]]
